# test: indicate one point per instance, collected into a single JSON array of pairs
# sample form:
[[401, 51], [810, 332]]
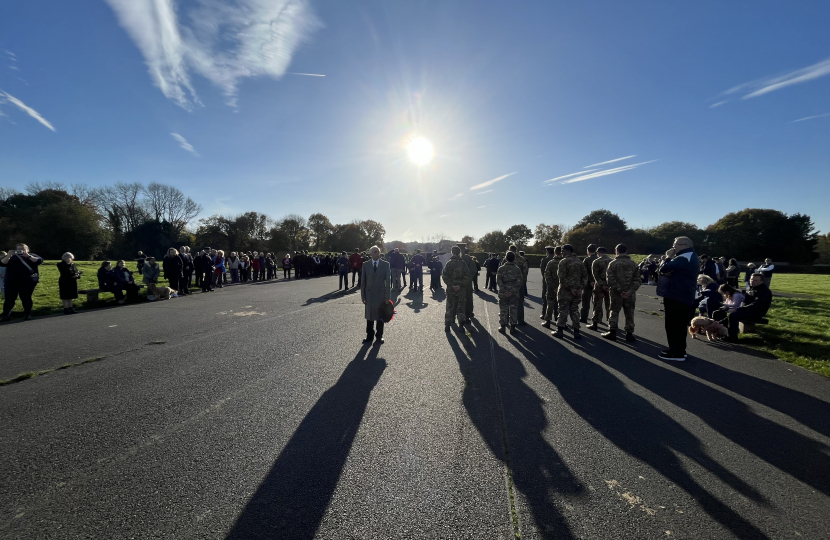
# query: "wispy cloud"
[[718, 104], [456, 196], [766, 85], [609, 161], [811, 117], [491, 182], [307, 74], [483, 192], [8, 98], [184, 144], [485, 206], [606, 172], [224, 42], [568, 176]]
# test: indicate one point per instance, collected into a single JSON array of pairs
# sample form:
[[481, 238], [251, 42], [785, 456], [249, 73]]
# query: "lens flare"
[[420, 151]]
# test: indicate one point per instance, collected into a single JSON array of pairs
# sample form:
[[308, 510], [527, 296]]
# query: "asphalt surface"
[[256, 412]]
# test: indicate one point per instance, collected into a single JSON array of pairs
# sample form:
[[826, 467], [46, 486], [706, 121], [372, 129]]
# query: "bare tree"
[[33, 188], [5, 193], [167, 203], [122, 205]]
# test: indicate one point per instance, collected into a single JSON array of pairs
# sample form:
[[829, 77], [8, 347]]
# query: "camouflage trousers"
[[627, 306], [520, 310], [551, 312], [456, 305], [468, 304], [601, 297], [568, 305], [509, 309]]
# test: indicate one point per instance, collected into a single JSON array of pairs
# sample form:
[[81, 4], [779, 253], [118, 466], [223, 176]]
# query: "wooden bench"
[[92, 294], [748, 327]]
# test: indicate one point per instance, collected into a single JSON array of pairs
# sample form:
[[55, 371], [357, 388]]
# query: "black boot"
[[66, 311], [577, 335], [610, 335], [502, 327], [593, 326], [546, 324], [512, 328], [629, 336], [558, 333]]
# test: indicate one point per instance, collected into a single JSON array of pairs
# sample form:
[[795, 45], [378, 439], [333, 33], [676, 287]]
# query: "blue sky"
[[705, 98]]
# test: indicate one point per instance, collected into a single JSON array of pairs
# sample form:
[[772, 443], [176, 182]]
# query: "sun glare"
[[420, 151]]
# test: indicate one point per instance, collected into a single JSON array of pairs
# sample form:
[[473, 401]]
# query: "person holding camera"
[[21, 279], [68, 282]]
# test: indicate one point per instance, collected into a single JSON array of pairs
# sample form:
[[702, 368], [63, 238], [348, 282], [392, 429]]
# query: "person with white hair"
[[21, 279], [375, 290], [68, 282]]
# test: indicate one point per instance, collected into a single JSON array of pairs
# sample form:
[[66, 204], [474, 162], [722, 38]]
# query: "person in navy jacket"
[[677, 286]]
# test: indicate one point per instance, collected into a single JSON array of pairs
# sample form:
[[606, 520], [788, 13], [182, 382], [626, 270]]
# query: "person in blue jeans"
[[677, 286]]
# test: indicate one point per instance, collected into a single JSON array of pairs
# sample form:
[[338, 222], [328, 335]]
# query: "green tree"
[[548, 235], [470, 241], [320, 228], [610, 221], [493, 242], [823, 249], [757, 233], [294, 228], [374, 232], [664, 234], [519, 235], [347, 237]]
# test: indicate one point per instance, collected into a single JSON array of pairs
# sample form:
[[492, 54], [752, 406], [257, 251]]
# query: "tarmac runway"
[[256, 412]]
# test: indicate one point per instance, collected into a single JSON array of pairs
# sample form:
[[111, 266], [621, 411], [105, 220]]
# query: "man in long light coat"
[[375, 290]]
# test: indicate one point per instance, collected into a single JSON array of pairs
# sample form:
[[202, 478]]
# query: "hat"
[[683, 242]]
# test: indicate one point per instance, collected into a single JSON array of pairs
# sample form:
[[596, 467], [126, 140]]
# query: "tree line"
[[750, 234]]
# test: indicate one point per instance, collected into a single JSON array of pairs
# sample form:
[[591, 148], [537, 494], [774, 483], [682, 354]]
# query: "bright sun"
[[420, 151]]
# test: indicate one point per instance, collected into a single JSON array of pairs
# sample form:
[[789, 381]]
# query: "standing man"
[[435, 269], [375, 290], [416, 276], [187, 270], [767, 270], [206, 269], [492, 268], [486, 272], [398, 264], [573, 277], [343, 272], [510, 281], [551, 287], [468, 287], [456, 276], [355, 264], [21, 278], [677, 285], [588, 292], [623, 281], [599, 270], [545, 261], [521, 262]]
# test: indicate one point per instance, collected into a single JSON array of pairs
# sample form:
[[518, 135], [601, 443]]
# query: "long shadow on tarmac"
[[643, 431], [537, 469], [292, 499]]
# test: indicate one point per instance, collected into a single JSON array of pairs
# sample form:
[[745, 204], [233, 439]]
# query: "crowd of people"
[[687, 283]]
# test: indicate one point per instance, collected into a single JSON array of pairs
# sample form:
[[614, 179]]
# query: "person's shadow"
[[516, 439], [634, 424], [292, 499]]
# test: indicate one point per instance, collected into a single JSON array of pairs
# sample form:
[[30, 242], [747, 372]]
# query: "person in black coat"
[[21, 279], [68, 282], [107, 282], [173, 267], [757, 303], [708, 268], [125, 280], [187, 270], [708, 298], [205, 267]]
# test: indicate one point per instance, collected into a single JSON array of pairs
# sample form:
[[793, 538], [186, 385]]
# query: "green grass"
[[799, 328]]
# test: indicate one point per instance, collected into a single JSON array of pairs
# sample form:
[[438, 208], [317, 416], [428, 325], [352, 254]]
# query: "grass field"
[[799, 329]]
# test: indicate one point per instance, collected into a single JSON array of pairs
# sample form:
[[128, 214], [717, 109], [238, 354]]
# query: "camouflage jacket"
[[544, 264], [456, 272], [509, 278], [572, 274], [551, 275], [589, 263], [624, 275], [470, 264], [599, 268], [521, 262]]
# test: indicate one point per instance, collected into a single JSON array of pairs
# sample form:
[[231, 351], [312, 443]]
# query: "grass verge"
[[32, 374]]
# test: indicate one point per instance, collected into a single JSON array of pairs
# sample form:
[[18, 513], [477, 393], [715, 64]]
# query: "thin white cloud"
[[184, 144], [307, 74], [491, 182], [486, 191], [485, 206], [214, 44], [766, 85], [609, 161], [607, 172], [456, 196], [811, 117], [568, 176], [718, 104], [444, 215], [15, 68], [5, 97]]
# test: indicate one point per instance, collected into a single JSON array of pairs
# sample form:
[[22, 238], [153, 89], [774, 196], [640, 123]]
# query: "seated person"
[[755, 306], [108, 282], [708, 298], [125, 280], [732, 300]]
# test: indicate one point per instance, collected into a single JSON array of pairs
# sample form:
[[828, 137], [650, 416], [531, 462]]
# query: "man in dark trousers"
[[206, 267], [375, 290], [588, 292], [545, 261], [677, 286], [355, 263], [492, 268], [416, 277], [754, 307]]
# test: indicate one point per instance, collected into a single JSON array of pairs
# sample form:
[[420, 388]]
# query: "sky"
[[538, 112]]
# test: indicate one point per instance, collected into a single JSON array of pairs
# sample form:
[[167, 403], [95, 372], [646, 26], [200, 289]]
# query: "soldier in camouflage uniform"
[[510, 280], [468, 286], [598, 269], [545, 261], [572, 279], [623, 280], [456, 276], [588, 292], [521, 262], [552, 287]]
